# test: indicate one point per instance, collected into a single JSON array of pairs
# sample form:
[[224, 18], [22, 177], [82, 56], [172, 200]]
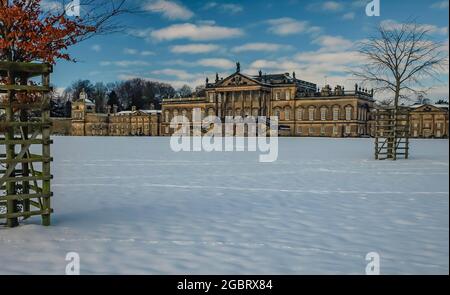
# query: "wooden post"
[[11, 205], [46, 152]]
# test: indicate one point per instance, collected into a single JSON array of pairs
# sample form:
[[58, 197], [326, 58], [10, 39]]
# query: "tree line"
[[142, 94]]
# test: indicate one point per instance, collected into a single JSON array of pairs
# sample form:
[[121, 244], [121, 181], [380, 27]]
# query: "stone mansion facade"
[[301, 108]]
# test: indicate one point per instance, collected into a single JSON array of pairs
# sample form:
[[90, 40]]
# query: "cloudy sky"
[[183, 42]]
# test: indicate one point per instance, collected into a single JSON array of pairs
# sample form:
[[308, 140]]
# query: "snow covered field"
[[131, 205]]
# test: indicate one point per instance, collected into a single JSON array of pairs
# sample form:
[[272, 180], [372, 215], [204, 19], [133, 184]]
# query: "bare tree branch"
[[400, 58]]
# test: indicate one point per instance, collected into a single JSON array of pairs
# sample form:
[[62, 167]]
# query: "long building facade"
[[301, 108], [86, 122]]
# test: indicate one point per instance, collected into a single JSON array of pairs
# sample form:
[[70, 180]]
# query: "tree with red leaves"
[[28, 33]]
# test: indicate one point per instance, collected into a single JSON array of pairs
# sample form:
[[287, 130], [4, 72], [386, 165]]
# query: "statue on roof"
[[238, 67]]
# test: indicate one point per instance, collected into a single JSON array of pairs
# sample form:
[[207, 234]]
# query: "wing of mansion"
[[302, 109]]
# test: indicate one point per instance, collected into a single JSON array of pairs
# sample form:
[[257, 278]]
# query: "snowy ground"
[[131, 205]]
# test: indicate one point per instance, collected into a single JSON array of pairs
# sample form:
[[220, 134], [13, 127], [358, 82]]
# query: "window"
[[347, 129], [323, 114], [287, 114], [335, 130], [322, 130], [277, 95], [300, 114], [335, 114], [211, 97], [288, 95], [348, 113], [277, 113], [299, 129], [311, 113]]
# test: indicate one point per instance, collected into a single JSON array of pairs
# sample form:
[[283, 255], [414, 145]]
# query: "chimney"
[[108, 109], [114, 109], [133, 108]]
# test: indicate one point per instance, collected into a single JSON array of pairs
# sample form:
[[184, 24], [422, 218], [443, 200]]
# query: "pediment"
[[428, 108], [238, 79]]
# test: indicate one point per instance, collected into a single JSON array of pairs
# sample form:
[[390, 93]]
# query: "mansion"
[[302, 110]]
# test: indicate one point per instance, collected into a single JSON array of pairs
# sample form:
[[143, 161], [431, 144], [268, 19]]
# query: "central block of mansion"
[[302, 109]]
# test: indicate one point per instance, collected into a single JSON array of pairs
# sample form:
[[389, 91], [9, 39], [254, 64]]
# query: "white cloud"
[[96, 48], [221, 63], [288, 26], [331, 59], [232, 8], [216, 63], [328, 6], [269, 47], [440, 5], [439, 92], [169, 9], [432, 29], [147, 53], [130, 51], [180, 74], [226, 7], [276, 65], [333, 43], [194, 48], [195, 32], [124, 63], [348, 16], [332, 6]]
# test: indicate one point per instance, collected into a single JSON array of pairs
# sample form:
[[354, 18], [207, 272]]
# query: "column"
[[243, 103], [234, 105], [251, 102]]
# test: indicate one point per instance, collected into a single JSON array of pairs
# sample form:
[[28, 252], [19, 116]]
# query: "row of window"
[[278, 95], [336, 130], [286, 113], [311, 115]]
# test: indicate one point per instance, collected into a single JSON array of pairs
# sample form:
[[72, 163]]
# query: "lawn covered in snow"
[[131, 205]]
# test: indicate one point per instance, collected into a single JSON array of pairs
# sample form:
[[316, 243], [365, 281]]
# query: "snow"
[[131, 205]]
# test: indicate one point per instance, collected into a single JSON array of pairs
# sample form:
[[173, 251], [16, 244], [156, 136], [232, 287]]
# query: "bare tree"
[[399, 59], [100, 14]]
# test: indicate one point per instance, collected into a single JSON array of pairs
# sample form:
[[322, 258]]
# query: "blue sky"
[[182, 42]]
